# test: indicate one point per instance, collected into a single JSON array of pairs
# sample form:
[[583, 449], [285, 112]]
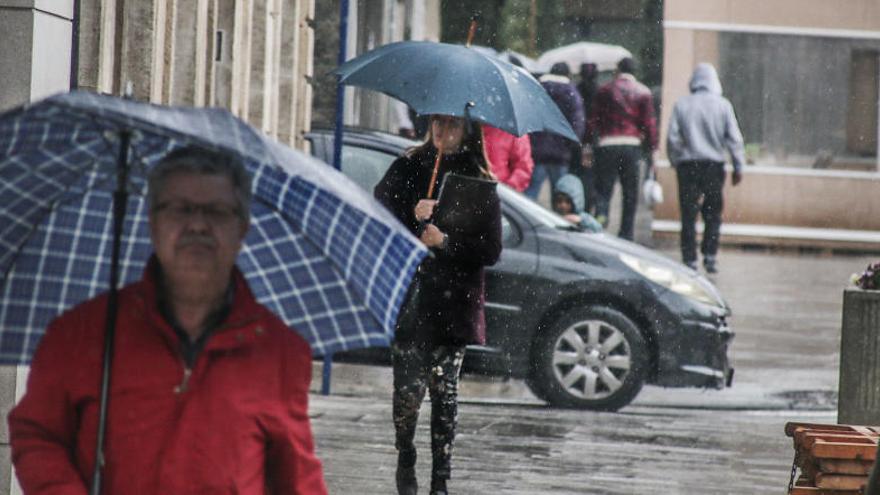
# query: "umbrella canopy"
[[604, 56], [321, 253], [439, 78]]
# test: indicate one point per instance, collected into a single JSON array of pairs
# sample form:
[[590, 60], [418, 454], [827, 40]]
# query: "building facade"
[[253, 57], [371, 24]]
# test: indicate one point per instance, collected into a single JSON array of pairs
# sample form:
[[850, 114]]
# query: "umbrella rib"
[[509, 102], [46, 211], [130, 122], [367, 295], [411, 263], [274, 208]]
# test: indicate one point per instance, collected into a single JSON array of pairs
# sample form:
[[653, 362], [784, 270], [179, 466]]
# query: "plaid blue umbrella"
[[321, 253]]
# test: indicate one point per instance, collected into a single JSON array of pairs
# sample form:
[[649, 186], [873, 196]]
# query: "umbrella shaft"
[[120, 200], [434, 174]]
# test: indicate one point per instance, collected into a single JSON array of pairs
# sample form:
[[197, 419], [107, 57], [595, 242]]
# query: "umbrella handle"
[[434, 175], [472, 30]]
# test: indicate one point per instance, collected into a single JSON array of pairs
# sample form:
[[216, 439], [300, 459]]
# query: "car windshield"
[[536, 211]]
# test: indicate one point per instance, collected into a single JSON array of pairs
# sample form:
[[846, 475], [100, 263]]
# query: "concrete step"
[[781, 235]]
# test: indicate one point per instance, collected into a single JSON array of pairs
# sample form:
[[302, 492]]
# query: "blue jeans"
[[540, 173]]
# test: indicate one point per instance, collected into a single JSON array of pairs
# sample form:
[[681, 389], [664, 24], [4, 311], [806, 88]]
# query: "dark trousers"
[[613, 162], [700, 180], [587, 176], [436, 368]]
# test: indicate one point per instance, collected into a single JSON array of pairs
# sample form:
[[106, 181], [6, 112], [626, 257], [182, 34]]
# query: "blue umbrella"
[[321, 253], [439, 78]]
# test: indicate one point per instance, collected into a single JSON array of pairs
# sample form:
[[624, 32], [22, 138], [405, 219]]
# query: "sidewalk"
[[786, 315]]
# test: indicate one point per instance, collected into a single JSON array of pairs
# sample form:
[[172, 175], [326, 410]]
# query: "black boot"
[[710, 264], [438, 486], [406, 473]]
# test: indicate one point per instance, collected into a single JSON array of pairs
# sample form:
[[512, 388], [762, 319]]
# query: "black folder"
[[463, 203]]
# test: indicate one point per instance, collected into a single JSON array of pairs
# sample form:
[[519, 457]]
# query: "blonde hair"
[[470, 141]]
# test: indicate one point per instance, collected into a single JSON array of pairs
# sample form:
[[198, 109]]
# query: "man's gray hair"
[[197, 160]]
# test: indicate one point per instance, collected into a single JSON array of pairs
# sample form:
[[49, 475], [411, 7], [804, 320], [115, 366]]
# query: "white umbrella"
[[604, 56], [528, 63]]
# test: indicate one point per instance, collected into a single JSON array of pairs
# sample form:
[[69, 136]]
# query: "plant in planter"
[[869, 279], [859, 391]]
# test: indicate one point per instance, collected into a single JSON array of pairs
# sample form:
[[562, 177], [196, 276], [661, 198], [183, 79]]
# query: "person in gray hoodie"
[[703, 125]]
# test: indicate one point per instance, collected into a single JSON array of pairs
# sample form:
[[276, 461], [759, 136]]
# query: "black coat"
[[450, 297]]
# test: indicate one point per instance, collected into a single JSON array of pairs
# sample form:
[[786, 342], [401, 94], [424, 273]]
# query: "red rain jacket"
[[237, 423], [509, 156], [624, 107]]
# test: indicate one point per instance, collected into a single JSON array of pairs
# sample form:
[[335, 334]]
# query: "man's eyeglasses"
[[215, 213]]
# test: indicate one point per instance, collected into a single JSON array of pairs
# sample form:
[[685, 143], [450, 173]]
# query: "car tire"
[[590, 358]]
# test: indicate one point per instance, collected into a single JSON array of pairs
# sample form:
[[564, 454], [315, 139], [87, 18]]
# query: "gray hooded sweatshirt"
[[703, 124]]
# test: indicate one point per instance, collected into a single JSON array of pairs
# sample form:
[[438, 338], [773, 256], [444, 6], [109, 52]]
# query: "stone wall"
[[252, 57]]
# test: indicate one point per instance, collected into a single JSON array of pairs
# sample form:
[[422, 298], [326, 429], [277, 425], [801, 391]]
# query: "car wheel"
[[590, 358]]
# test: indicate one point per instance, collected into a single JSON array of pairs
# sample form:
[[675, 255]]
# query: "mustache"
[[196, 240]]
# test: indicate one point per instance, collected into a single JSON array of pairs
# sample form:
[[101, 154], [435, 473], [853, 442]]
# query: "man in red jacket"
[[622, 123], [209, 391]]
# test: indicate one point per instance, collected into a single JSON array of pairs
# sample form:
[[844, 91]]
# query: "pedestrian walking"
[[703, 125], [551, 153], [510, 157], [209, 390], [568, 201], [622, 124], [582, 164], [447, 302]]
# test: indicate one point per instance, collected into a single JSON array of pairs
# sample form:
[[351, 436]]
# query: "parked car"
[[586, 319]]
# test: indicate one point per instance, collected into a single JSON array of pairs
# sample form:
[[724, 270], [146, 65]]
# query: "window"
[[364, 166], [802, 101]]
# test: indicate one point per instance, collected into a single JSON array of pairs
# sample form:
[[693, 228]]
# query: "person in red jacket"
[[510, 157], [622, 124], [209, 391]]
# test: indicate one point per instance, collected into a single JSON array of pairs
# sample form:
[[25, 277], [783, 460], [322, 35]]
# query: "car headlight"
[[670, 279]]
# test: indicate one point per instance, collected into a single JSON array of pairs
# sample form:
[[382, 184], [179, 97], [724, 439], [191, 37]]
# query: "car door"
[[507, 293]]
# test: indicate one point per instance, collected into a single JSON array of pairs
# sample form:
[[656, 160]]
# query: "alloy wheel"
[[591, 359]]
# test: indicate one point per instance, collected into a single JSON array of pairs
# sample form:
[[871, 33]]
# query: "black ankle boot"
[[438, 486], [406, 473], [710, 264]]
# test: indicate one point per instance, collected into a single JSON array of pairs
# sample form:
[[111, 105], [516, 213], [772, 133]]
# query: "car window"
[[364, 166], [536, 211], [510, 235]]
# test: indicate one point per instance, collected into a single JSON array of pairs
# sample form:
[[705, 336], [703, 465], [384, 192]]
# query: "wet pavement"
[[787, 312]]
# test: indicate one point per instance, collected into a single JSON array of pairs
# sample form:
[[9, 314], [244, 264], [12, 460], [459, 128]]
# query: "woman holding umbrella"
[[447, 303]]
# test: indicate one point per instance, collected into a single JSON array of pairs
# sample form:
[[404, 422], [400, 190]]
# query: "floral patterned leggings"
[[435, 367]]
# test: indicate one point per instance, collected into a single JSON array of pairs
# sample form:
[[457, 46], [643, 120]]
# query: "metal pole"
[[337, 150], [120, 200], [340, 89], [74, 48]]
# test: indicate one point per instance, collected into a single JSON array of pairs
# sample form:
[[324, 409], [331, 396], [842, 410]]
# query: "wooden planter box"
[[859, 394]]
